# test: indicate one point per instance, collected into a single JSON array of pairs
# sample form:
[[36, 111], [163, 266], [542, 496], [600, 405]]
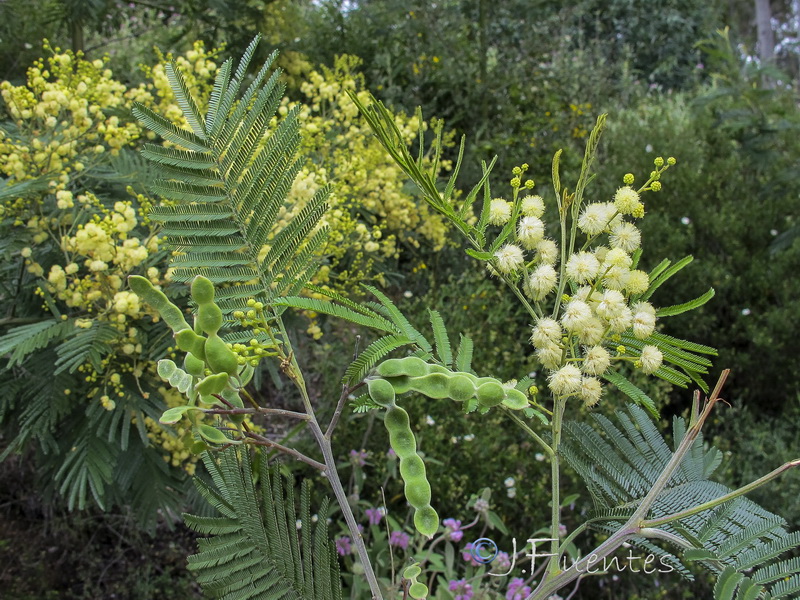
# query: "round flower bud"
[[637, 282]]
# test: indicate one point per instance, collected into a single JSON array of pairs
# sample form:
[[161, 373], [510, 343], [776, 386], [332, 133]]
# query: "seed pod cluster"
[[206, 350]]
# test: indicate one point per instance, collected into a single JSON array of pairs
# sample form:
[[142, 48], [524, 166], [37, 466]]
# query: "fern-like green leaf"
[[443, 350], [21, 341], [621, 462], [253, 550], [464, 355], [371, 355]]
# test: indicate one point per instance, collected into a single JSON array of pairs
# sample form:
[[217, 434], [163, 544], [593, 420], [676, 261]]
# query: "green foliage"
[[620, 465]]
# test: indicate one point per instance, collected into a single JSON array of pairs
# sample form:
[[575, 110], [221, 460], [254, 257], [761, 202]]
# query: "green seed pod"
[[209, 318], [439, 369], [381, 391], [460, 388], [418, 493], [235, 400], [490, 394], [433, 385], [166, 368], [202, 290], [515, 400], [171, 314], [219, 357], [193, 365], [418, 591], [188, 341], [396, 419], [412, 571], [401, 384], [410, 365], [426, 521], [213, 384], [412, 469], [403, 443]]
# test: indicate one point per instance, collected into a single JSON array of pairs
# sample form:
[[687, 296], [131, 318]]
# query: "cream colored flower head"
[[567, 380], [626, 200], [530, 232], [532, 206], [509, 258], [499, 211]]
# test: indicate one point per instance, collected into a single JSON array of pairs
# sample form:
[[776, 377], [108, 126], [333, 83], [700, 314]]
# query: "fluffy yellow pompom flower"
[[651, 359], [532, 206], [567, 380], [509, 258], [626, 200]]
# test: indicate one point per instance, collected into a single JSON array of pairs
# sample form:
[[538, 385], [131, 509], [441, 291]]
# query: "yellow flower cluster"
[[371, 214]]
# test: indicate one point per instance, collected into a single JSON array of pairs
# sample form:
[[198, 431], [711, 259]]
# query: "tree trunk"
[[766, 38]]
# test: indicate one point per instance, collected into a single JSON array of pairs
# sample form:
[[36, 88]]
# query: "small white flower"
[[511, 492], [509, 258], [611, 304], [591, 390], [469, 437], [530, 231], [685, 220], [429, 420], [594, 217], [576, 315], [532, 206], [644, 323], [625, 236], [499, 211], [539, 457], [567, 380], [637, 282], [626, 200], [549, 355], [546, 331], [582, 267], [596, 361], [651, 359], [408, 294], [509, 482], [746, 311], [542, 281], [547, 252]]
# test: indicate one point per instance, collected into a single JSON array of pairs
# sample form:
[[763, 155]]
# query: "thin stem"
[[260, 440], [548, 450], [722, 499], [555, 483]]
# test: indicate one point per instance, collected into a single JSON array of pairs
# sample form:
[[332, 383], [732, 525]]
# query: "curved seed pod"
[[412, 571], [235, 400], [418, 493], [213, 384], [220, 358], [166, 368], [381, 391], [202, 290], [171, 314], [426, 520], [193, 365], [490, 394], [515, 400], [209, 318]]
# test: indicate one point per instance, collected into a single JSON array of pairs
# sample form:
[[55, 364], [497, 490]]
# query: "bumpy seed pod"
[[188, 341], [235, 400], [418, 590], [193, 365], [460, 388], [213, 384], [490, 394], [410, 366], [515, 400], [171, 314], [433, 386], [426, 520], [202, 290], [381, 391], [209, 318], [220, 358]]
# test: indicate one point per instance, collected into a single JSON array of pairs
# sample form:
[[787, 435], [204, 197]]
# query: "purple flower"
[[517, 590], [399, 539], [358, 457], [343, 546], [466, 554], [374, 515], [453, 531], [462, 589], [390, 453]]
